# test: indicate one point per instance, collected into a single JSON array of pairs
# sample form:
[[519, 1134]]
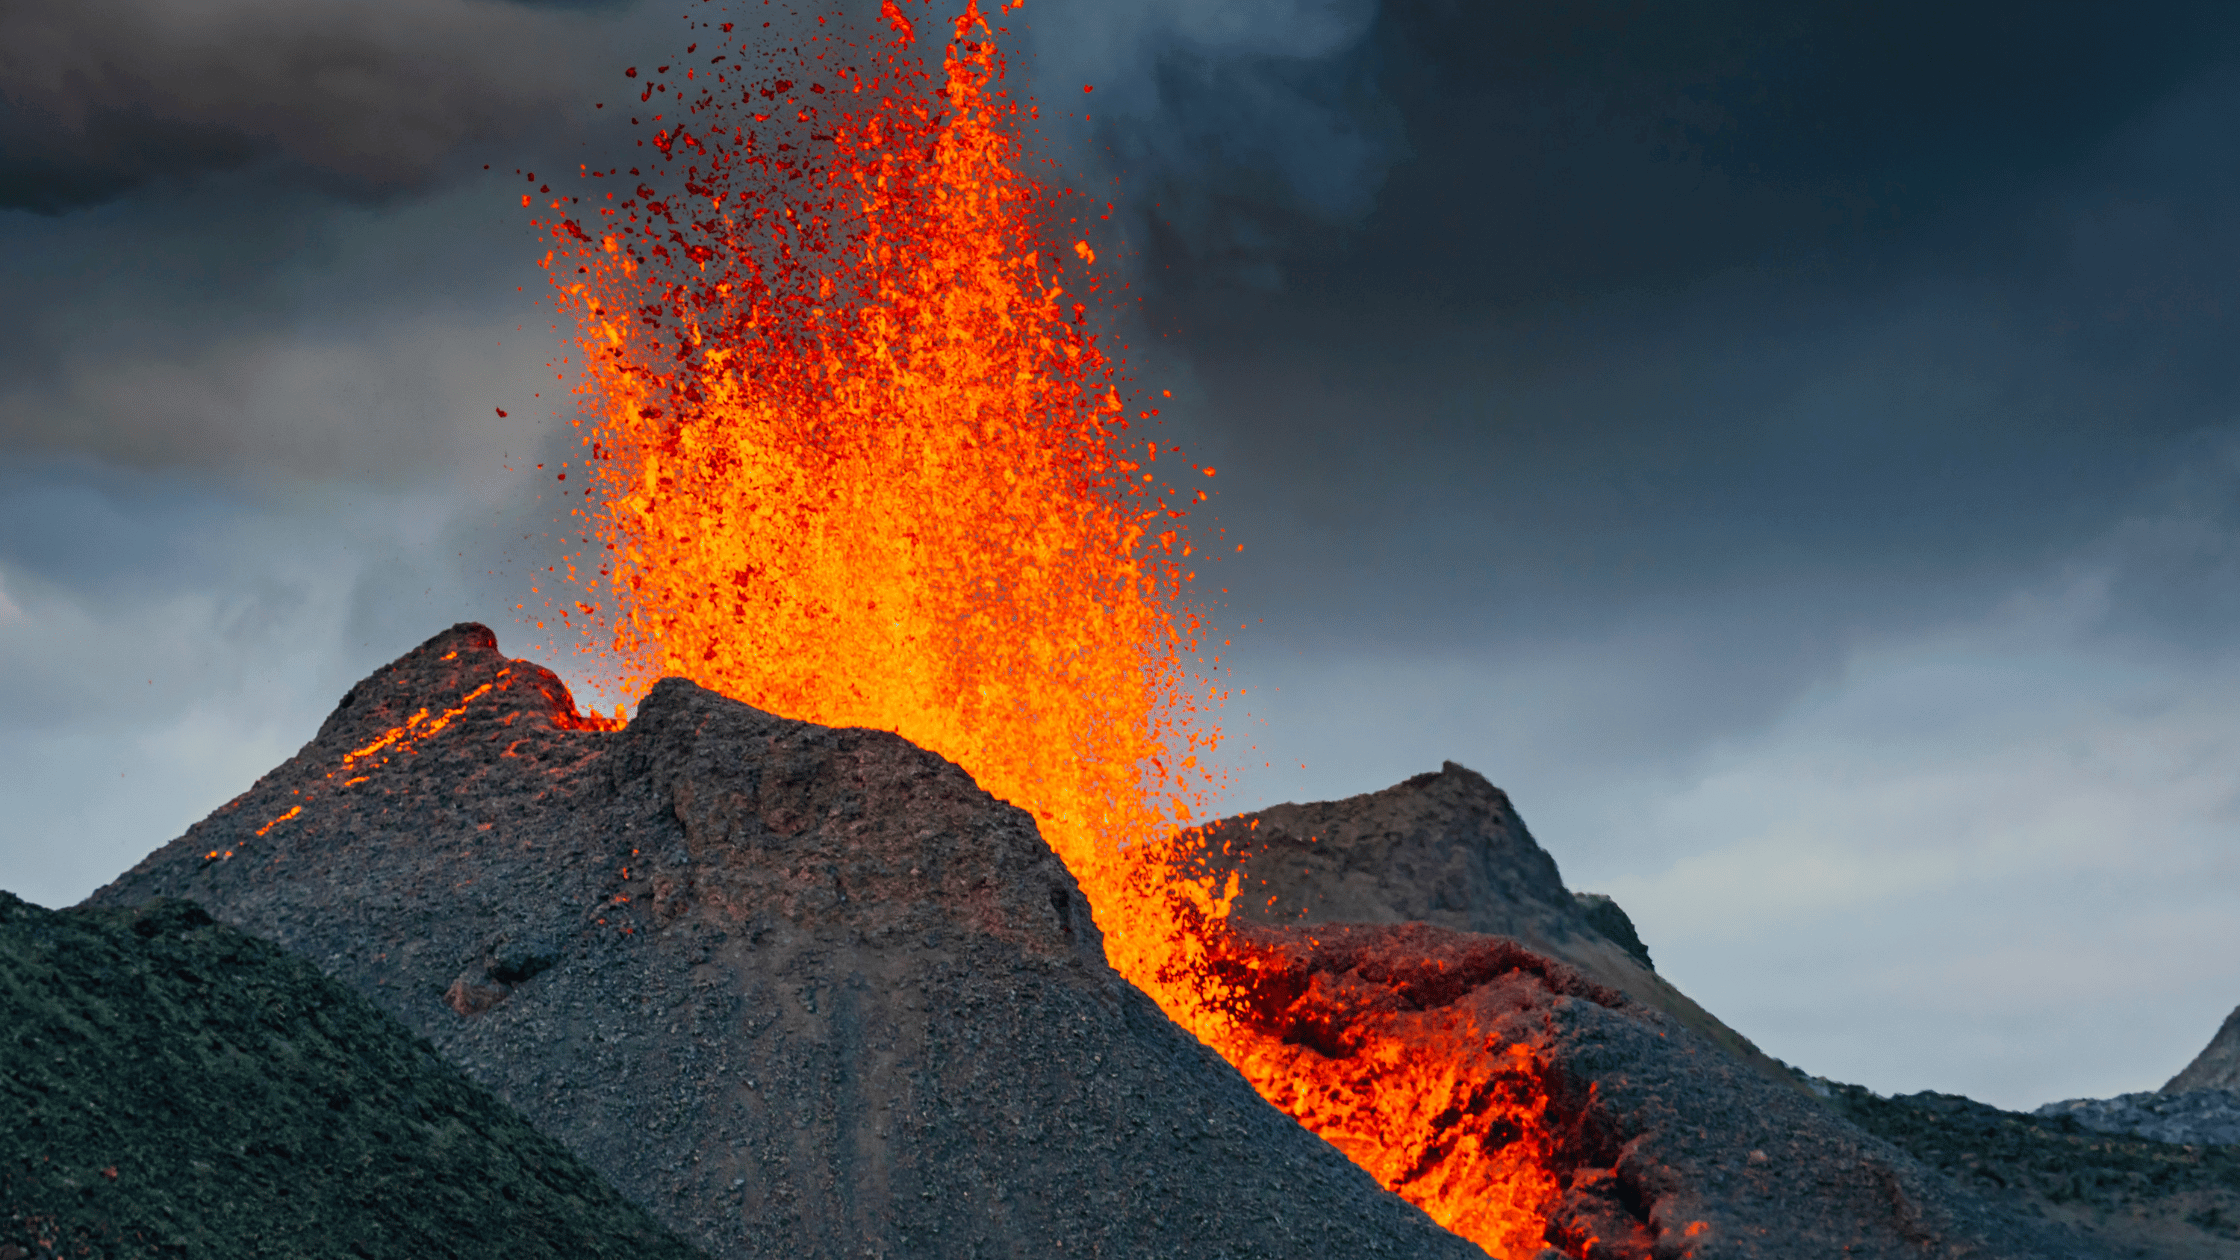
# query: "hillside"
[[172, 1087]]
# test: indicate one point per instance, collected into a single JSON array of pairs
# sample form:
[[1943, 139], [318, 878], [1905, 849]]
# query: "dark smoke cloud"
[[1239, 125], [1715, 293], [1516, 152], [364, 100]]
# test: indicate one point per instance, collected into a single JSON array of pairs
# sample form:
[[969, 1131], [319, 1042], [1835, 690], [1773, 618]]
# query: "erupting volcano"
[[858, 457]]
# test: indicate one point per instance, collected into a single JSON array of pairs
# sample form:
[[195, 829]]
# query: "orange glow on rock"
[[398, 741], [858, 456]]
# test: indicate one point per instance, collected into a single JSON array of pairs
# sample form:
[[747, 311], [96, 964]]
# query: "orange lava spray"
[[859, 456]]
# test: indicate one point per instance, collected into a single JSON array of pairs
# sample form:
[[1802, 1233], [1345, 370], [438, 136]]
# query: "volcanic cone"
[[1445, 848], [802, 992]]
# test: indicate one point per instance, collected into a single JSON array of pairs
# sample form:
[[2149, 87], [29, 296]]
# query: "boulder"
[[1609, 918]]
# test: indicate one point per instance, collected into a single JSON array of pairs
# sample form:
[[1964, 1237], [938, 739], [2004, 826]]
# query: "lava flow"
[[856, 456]]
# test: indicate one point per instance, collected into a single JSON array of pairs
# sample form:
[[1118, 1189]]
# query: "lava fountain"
[[856, 454]]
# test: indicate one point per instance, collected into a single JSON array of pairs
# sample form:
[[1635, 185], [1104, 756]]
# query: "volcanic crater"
[[806, 991]]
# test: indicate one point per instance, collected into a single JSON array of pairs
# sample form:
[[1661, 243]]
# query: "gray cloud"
[[410, 402], [365, 100], [244, 330], [1236, 124]]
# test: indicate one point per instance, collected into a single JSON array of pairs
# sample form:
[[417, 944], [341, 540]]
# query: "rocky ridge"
[[801, 992], [2196, 1117], [1446, 848], [2130, 1195], [810, 992], [2218, 1064]]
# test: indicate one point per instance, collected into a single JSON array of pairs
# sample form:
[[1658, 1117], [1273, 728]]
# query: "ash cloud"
[[1247, 121], [1589, 145], [1654, 302], [365, 101]]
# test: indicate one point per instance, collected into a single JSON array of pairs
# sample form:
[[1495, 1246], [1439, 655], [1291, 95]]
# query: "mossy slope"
[[172, 1087], [2136, 1197]]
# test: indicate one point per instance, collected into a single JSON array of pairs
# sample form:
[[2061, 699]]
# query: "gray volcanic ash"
[[802, 992]]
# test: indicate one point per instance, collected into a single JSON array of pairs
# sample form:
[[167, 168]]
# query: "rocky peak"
[[2218, 1064], [1445, 848]]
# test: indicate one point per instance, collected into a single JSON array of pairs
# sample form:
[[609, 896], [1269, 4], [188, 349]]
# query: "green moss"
[[171, 1087], [2056, 1162]]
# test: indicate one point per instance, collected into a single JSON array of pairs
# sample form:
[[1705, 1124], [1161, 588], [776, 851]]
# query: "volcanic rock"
[[2218, 1064], [1426, 914], [802, 992], [1445, 848], [170, 1086], [2134, 1196], [1607, 917], [2196, 1117], [1664, 1145]]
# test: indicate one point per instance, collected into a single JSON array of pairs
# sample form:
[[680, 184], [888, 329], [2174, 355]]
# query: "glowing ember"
[[860, 459], [863, 461], [405, 740]]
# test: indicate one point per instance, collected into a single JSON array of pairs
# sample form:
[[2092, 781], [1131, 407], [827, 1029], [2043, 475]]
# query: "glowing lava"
[[361, 764], [859, 459]]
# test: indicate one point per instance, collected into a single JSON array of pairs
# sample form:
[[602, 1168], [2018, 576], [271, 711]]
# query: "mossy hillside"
[[2145, 1198], [170, 1086]]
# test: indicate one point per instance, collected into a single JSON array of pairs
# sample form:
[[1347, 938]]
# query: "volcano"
[[802, 992], [807, 991]]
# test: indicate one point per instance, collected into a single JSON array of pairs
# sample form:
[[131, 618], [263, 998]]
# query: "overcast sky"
[[1795, 450]]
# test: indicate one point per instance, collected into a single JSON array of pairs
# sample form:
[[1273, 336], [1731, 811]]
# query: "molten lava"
[[858, 457], [362, 764]]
